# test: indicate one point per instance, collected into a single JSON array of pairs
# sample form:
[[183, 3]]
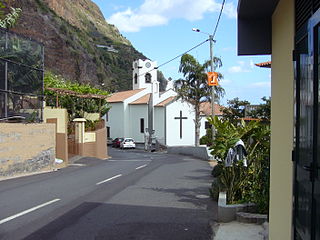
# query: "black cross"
[[180, 118]]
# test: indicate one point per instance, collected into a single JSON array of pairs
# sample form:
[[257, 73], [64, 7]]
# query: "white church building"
[[144, 107]]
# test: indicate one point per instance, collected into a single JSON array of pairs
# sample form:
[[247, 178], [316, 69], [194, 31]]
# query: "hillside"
[[70, 31]]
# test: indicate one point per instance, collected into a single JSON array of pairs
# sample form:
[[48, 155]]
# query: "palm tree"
[[194, 88]]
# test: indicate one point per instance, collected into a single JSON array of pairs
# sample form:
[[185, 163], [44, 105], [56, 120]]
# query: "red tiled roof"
[[165, 102], [121, 96], [252, 119], [264, 64], [143, 100], [205, 109]]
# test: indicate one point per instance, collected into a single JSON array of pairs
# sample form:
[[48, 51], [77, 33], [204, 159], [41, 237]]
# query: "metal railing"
[[21, 77]]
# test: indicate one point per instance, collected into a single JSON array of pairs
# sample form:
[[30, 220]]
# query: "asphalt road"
[[133, 195]]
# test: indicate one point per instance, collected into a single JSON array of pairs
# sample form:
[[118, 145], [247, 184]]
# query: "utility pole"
[[212, 87], [212, 69]]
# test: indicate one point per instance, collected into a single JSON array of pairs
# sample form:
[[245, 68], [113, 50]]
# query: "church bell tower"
[[144, 75]]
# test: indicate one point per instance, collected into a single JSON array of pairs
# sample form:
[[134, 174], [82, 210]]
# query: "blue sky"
[[162, 29]]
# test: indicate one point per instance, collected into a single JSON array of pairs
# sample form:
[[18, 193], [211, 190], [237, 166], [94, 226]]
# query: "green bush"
[[215, 189], [207, 139], [217, 170], [76, 106], [243, 183]]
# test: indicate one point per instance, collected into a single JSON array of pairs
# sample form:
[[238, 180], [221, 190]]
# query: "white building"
[[146, 107]]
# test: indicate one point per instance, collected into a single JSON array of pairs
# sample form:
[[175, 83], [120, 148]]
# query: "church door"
[[307, 133]]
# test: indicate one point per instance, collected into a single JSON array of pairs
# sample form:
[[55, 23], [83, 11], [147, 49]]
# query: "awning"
[[255, 26]]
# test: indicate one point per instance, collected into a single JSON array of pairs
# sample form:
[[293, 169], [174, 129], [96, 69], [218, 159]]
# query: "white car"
[[127, 143]]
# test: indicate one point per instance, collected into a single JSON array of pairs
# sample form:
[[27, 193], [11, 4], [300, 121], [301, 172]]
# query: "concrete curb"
[[228, 212], [214, 228], [28, 174]]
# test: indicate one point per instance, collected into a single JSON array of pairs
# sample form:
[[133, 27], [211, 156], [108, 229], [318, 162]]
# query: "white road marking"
[[28, 211], [141, 166], [78, 165], [109, 179], [134, 160]]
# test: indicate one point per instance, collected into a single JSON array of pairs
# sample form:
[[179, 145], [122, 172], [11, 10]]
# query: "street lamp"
[[212, 69]]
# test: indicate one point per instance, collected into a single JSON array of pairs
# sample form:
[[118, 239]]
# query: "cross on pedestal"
[[180, 118]]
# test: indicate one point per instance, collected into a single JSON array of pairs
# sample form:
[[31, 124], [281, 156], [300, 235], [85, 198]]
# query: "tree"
[[8, 20], [263, 111], [162, 81], [235, 110], [194, 88]]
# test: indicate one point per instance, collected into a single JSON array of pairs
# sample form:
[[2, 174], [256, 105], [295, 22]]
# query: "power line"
[[213, 35], [183, 53], [217, 24], [165, 63]]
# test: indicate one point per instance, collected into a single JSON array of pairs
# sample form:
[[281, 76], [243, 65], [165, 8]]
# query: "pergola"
[[66, 92]]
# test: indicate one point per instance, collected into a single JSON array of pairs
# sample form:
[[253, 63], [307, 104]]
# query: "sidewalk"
[[239, 231]]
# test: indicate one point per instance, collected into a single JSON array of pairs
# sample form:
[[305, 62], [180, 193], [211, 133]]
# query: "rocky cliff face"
[[70, 31], [85, 15]]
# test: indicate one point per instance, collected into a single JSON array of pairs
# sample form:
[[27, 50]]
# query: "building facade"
[[144, 107], [289, 31]]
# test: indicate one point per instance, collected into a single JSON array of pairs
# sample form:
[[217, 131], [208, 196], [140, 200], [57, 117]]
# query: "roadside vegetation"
[[8, 16], [246, 180], [78, 99]]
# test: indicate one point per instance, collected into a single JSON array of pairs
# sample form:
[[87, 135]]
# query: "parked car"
[[109, 141], [127, 143], [116, 142]]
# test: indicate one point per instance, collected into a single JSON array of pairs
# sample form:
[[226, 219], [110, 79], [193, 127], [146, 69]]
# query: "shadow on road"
[[99, 221]]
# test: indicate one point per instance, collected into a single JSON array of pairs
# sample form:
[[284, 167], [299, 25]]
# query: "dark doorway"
[[307, 133]]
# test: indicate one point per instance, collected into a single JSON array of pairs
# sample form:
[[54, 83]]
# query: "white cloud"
[[160, 12], [252, 64], [235, 69], [230, 10], [261, 85], [241, 67], [127, 21]]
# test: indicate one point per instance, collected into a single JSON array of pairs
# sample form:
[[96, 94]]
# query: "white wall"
[[125, 120], [164, 96], [159, 124], [173, 125], [136, 113], [116, 120]]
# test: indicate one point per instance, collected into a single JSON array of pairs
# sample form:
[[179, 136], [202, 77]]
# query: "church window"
[[142, 125], [148, 78], [135, 78]]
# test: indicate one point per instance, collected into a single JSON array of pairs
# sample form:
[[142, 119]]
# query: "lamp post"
[[212, 69]]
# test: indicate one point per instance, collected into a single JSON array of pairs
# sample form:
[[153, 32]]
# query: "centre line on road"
[[28, 211], [109, 179], [141, 166]]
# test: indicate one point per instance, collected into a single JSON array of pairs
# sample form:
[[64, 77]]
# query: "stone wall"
[[198, 152], [26, 148]]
